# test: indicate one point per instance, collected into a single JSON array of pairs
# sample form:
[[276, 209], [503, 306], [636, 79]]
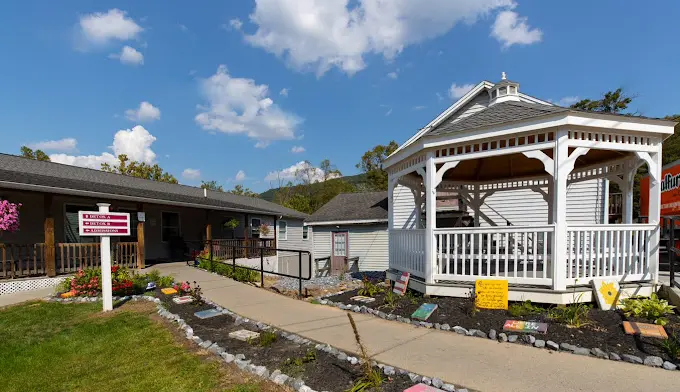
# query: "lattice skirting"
[[14, 286]]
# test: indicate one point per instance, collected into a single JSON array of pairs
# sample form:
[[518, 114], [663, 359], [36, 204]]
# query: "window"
[[133, 226], [305, 232], [255, 227], [283, 230], [169, 226], [493, 93], [513, 89], [71, 233], [502, 91]]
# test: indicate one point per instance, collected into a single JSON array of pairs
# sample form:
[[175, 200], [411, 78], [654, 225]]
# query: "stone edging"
[[261, 371], [652, 361]]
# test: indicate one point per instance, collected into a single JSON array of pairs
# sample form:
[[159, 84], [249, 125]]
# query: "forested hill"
[[354, 180]]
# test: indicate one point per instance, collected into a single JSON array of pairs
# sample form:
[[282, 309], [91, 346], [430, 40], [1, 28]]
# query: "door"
[[339, 252]]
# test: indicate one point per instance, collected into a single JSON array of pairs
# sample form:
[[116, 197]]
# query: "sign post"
[[104, 224]]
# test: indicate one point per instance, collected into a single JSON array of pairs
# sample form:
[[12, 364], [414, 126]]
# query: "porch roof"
[[28, 174]]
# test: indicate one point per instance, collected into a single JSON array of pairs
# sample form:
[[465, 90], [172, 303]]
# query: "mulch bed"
[[326, 373], [604, 331]]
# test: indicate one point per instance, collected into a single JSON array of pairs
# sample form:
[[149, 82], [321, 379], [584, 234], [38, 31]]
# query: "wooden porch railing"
[[22, 260], [72, 257], [241, 248]]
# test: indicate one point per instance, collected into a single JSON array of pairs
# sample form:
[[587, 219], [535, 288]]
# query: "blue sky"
[[199, 87]]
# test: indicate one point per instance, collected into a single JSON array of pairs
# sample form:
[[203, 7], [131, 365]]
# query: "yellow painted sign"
[[491, 294]]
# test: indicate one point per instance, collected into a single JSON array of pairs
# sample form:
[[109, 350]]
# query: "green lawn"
[[73, 347]]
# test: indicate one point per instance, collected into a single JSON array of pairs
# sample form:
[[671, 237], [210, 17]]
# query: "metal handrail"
[[261, 269], [671, 247]]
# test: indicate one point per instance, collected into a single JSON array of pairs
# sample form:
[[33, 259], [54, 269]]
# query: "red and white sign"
[[401, 285], [93, 223]]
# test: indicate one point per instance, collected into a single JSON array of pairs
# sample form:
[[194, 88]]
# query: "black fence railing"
[[208, 252], [670, 237]]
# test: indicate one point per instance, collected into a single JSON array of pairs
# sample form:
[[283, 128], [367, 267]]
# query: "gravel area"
[[328, 282]]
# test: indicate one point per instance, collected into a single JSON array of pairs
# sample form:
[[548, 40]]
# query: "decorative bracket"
[[548, 163], [571, 160], [650, 163], [440, 173]]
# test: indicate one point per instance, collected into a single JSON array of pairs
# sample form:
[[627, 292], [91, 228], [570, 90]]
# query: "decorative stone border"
[[652, 361], [240, 360]]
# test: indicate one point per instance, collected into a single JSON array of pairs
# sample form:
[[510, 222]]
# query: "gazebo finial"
[[503, 76]]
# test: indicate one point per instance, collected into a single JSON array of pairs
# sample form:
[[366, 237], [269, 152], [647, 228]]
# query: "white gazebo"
[[516, 142]]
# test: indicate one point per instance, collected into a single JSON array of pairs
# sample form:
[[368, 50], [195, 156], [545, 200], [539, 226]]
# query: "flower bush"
[[182, 288], [88, 282], [9, 216]]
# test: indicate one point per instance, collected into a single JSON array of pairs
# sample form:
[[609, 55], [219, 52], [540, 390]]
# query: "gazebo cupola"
[[504, 91]]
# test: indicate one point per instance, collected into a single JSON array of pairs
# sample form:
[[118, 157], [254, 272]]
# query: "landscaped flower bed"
[[87, 283], [581, 329], [300, 361]]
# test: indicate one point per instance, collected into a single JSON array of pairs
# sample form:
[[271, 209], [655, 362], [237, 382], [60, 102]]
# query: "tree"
[[139, 169], [612, 102], [372, 164], [671, 146], [312, 187], [212, 186], [240, 190], [39, 155]]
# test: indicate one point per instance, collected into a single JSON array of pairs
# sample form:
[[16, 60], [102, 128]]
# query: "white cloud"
[[389, 110], [419, 107], [146, 112], [240, 176], [64, 145], [283, 92], [183, 27], [568, 101], [135, 143], [100, 28], [240, 106], [297, 149], [191, 174], [290, 173], [439, 97], [129, 56], [510, 29], [321, 34], [235, 24], [456, 91], [393, 75]]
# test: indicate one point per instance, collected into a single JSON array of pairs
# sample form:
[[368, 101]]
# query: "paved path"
[[479, 364], [23, 296]]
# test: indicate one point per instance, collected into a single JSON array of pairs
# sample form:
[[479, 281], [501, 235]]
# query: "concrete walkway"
[[479, 364], [23, 296]]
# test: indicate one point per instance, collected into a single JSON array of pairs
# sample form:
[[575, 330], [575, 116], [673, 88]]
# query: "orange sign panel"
[[670, 192]]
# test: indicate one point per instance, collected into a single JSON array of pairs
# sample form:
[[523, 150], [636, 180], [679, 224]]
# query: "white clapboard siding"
[[288, 262], [585, 204], [367, 242], [404, 208]]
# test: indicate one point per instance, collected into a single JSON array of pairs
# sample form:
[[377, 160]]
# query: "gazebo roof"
[[499, 113]]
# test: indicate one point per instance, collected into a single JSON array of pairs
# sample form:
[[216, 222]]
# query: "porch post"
[[430, 216], [477, 205], [50, 252], [390, 203], [655, 213], [559, 210], [627, 190], [141, 254]]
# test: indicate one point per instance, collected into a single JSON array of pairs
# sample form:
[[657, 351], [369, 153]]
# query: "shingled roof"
[[367, 206], [497, 114], [23, 173]]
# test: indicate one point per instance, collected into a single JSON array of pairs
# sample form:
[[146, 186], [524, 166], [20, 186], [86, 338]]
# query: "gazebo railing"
[[620, 252], [407, 250], [521, 254]]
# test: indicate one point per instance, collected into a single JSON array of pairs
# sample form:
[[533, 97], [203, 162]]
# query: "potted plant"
[[264, 230]]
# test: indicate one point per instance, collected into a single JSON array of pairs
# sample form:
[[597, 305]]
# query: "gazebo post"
[[559, 210], [627, 190], [477, 204], [430, 216], [654, 163]]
